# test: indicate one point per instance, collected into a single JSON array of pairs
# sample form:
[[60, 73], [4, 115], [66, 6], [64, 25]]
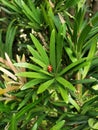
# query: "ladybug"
[[49, 68]]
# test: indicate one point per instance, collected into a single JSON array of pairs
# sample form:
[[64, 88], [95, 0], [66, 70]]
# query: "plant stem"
[[79, 86]]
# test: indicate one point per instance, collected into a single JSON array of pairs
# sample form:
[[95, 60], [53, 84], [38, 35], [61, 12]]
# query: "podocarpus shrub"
[[54, 86]]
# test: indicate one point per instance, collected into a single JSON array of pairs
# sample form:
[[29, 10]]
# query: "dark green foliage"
[[56, 83], [6, 40]]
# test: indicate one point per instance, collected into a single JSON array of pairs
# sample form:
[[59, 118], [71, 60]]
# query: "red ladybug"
[[49, 68]]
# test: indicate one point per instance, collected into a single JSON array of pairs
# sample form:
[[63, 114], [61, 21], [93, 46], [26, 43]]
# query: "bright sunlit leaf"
[[45, 86], [65, 83]]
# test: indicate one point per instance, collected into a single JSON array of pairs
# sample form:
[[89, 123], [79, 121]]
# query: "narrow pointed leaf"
[[72, 65], [73, 102], [45, 86], [31, 84], [51, 22], [29, 106], [81, 3], [90, 56], [58, 126], [10, 36], [70, 54], [65, 83], [94, 19], [40, 49], [2, 49], [64, 94], [70, 3], [34, 52], [26, 100], [59, 44], [8, 4], [46, 17], [46, 72], [52, 50], [32, 75], [39, 62], [13, 124], [28, 12], [83, 37], [39, 121], [28, 65], [35, 11]]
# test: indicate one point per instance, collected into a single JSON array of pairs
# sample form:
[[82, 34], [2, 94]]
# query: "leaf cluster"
[[54, 86]]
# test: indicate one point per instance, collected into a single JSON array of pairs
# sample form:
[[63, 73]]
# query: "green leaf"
[[65, 83], [34, 26], [9, 5], [2, 19], [33, 75], [90, 56], [13, 124], [64, 94], [93, 32], [10, 36], [83, 37], [44, 86], [46, 17], [40, 49], [26, 99], [60, 43], [70, 3], [34, 53], [52, 50], [72, 65], [39, 62], [28, 65], [93, 123], [38, 122], [4, 108], [94, 112], [46, 72], [31, 15], [35, 126], [70, 54], [35, 11], [25, 109], [2, 49], [79, 24], [94, 19], [73, 102], [88, 103], [84, 81], [59, 103], [89, 40], [31, 84], [51, 22], [58, 126], [81, 4]]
